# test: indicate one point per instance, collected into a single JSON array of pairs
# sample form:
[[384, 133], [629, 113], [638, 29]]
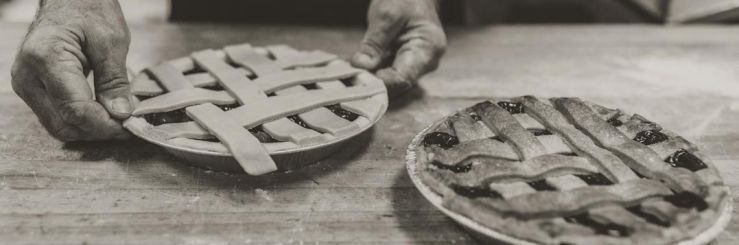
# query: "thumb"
[[381, 33], [112, 87]]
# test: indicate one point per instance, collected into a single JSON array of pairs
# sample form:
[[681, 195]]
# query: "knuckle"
[[389, 12], [38, 52], [73, 112], [373, 44], [115, 36], [115, 82]]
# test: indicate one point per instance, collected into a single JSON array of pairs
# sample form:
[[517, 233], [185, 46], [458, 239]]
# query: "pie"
[[251, 102], [566, 171]]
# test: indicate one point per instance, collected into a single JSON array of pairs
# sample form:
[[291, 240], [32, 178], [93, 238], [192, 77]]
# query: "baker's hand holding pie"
[[66, 41], [404, 41]]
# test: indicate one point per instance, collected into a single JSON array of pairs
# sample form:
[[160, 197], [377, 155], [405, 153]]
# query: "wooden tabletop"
[[686, 78]]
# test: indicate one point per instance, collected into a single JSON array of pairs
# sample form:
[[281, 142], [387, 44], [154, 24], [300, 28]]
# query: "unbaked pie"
[[251, 102], [567, 171]]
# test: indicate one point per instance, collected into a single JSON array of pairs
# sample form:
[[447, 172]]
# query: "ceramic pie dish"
[[254, 109], [566, 171]]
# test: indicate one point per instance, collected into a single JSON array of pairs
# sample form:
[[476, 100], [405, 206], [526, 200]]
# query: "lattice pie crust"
[[252, 102], [566, 171]]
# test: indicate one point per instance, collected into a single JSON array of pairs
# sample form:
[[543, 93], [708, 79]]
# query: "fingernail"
[[363, 60], [121, 105]]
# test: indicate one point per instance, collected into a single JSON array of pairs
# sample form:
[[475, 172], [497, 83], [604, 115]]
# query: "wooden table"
[[130, 192]]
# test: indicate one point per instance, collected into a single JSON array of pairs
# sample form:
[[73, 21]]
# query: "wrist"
[[64, 11]]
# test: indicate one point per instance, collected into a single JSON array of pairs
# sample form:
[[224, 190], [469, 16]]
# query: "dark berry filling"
[[571, 154], [687, 200], [460, 168], [538, 131], [475, 191], [615, 122], [195, 70], [176, 116], [262, 136], [216, 86], [513, 108], [605, 229], [541, 185], [211, 140], [684, 159], [348, 115], [497, 138], [440, 139], [475, 116], [648, 217], [310, 86], [349, 82], [228, 107], [595, 179], [299, 121], [649, 137]]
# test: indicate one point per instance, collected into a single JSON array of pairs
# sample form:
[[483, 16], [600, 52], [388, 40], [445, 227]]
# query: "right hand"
[[67, 40]]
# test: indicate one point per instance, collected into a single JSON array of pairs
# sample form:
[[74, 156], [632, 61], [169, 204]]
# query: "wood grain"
[[133, 192]]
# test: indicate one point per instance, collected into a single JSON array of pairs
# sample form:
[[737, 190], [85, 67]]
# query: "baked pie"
[[251, 102], [567, 171]]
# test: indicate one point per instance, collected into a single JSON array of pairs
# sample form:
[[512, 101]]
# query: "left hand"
[[404, 41]]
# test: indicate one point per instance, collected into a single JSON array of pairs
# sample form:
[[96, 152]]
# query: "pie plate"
[[255, 109], [481, 229]]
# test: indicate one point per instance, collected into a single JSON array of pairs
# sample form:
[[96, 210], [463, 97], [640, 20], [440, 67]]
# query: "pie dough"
[[251, 102], [567, 171]]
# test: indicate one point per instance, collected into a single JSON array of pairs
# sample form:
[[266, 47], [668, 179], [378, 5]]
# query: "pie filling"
[[684, 159], [179, 116], [443, 139]]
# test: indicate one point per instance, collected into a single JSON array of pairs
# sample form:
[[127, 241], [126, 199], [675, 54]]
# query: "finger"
[[419, 54], [111, 78], [36, 98], [71, 96], [384, 26]]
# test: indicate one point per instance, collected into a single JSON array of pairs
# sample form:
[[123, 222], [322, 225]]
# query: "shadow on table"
[[241, 182], [420, 220], [119, 151], [403, 100]]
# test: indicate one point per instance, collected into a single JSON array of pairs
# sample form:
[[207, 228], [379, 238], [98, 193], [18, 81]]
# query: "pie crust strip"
[[639, 157], [365, 108], [467, 128], [319, 118], [507, 127], [607, 214], [164, 102], [480, 148], [578, 200], [169, 77], [247, 92], [182, 98], [611, 166], [369, 108], [487, 171], [262, 111], [247, 150]]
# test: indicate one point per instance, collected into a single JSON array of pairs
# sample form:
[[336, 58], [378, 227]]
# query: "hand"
[[66, 41], [403, 42]]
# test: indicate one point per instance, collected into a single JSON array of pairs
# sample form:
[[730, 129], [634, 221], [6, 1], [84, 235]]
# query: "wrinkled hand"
[[66, 41], [404, 41]]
